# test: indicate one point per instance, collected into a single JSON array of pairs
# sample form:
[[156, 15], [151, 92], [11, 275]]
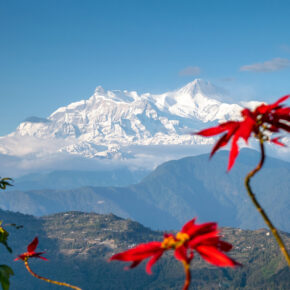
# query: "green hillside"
[[78, 246]]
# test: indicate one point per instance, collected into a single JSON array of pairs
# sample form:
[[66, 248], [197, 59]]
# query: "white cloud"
[[267, 66], [145, 157], [190, 71]]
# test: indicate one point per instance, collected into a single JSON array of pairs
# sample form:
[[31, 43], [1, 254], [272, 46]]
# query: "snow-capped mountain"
[[121, 128], [109, 122], [101, 125]]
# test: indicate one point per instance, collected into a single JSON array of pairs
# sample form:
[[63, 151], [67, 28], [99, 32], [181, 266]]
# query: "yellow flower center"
[[168, 242], [175, 242], [182, 236]]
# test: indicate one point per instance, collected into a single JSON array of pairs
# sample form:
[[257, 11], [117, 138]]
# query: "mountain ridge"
[[99, 126], [176, 191]]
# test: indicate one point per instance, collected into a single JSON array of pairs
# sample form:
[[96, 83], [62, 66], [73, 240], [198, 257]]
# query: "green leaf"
[[4, 182], [3, 238], [5, 273]]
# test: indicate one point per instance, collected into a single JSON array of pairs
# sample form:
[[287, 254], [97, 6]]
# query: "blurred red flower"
[[264, 118], [202, 238], [31, 252]]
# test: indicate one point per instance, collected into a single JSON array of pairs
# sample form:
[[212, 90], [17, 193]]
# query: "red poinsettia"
[[202, 238], [31, 252], [264, 118]]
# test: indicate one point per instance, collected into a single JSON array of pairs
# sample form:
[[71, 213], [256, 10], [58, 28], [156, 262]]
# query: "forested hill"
[[78, 246]]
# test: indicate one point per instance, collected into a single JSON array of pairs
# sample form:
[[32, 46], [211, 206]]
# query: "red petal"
[[283, 113], [223, 141], [37, 255], [224, 246], [20, 257], [245, 129], [140, 252], [152, 261], [40, 257], [215, 257], [281, 100], [180, 254], [201, 229], [233, 153], [277, 142], [227, 126], [282, 126], [213, 242], [188, 226], [273, 129], [33, 245], [211, 131], [211, 238], [263, 109], [133, 265]]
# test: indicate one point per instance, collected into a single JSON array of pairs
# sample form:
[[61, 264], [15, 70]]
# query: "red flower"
[[202, 238], [264, 118], [31, 252]]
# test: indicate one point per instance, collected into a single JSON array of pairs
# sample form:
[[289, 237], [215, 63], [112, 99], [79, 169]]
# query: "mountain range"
[[175, 192], [95, 156], [71, 179], [78, 246], [121, 126]]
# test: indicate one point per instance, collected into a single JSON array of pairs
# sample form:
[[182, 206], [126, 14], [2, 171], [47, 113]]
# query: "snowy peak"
[[125, 115], [194, 87], [99, 91], [110, 119], [198, 99], [201, 87], [114, 95]]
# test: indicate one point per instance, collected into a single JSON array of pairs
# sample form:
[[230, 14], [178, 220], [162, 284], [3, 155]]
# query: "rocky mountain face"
[[109, 120], [78, 246]]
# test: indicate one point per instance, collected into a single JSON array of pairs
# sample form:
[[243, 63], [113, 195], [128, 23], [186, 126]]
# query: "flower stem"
[[48, 280], [187, 276], [260, 209]]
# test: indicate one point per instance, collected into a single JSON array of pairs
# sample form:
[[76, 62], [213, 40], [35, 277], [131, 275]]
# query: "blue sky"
[[56, 52]]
